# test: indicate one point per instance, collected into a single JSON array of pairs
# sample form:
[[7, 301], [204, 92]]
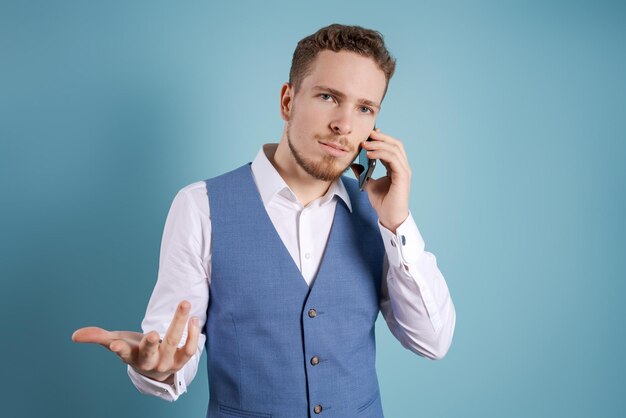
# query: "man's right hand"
[[145, 353]]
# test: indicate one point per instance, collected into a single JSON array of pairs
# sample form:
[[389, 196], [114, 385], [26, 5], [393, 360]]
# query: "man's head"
[[338, 79]]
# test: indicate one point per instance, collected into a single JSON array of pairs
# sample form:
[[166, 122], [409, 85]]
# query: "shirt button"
[[315, 360], [393, 244], [403, 240], [312, 313], [317, 409], [307, 255]]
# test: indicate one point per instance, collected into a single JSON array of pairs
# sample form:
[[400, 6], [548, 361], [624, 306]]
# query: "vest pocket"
[[369, 403], [235, 412]]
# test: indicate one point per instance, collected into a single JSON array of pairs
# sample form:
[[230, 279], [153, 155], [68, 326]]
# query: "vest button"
[[317, 409], [312, 313]]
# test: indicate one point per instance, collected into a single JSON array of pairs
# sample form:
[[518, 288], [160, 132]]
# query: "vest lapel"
[[269, 231]]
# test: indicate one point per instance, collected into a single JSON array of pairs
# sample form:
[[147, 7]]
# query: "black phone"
[[368, 165]]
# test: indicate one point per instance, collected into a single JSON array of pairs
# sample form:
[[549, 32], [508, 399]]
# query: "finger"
[[388, 145], [148, 349], [393, 148], [123, 350], [93, 335], [377, 135], [390, 160], [191, 345], [388, 153], [175, 331], [381, 137]]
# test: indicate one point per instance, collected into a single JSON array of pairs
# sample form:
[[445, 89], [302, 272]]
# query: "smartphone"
[[368, 164]]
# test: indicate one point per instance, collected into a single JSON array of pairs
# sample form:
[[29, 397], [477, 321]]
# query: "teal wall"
[[513, 118]]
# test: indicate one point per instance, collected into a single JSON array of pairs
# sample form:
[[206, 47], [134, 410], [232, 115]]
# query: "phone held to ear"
[[368, 165]]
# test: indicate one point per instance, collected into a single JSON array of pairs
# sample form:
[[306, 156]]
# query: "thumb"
[[93, 335]]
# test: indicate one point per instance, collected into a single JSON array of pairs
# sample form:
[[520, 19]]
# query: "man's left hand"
[[389, 195]]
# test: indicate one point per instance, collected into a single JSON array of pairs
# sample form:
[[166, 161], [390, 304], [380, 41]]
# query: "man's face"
[[336, 104]]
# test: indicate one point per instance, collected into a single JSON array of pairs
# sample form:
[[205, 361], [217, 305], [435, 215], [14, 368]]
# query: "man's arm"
[[415, 300], [184, 271]]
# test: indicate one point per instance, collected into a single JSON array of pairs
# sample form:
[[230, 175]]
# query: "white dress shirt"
[[415, 301]]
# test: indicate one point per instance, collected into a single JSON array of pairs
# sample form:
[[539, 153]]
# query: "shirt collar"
[[272, 183]]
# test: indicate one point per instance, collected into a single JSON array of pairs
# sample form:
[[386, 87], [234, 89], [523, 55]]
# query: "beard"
[[326, 169]]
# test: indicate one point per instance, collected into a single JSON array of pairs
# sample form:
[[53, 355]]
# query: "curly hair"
[[336, 37]]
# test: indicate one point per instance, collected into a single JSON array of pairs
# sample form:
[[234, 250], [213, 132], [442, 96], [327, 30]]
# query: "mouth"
[[333, 145], [333, 149]]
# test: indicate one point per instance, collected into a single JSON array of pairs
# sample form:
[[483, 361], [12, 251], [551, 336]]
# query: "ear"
[[286, 97]]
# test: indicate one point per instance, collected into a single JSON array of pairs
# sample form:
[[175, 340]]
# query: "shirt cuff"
[[406, 245], [162, 390]]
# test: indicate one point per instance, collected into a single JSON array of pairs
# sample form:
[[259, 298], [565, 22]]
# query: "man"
[[298, 261]]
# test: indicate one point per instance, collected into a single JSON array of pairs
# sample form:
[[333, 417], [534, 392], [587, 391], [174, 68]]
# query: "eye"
[[367, 109], [325, 96]]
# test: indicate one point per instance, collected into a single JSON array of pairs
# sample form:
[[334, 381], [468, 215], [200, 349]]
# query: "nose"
[[341, 122]]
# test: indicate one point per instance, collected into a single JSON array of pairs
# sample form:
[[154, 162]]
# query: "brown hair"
[[336, 37]]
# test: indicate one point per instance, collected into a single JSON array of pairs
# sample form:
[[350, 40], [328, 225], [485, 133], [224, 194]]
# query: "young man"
[[298, 261]]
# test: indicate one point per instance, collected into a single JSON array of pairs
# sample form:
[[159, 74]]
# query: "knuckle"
[[142, 365], [188, 351], [169, 340], [144, 355], [152, 336], [177, 366], [162, 367]]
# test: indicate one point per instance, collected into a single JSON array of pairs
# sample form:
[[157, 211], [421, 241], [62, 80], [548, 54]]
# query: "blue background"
[[513, 118]]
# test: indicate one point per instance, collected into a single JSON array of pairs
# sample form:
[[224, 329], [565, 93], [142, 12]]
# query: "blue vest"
[[275, 347]]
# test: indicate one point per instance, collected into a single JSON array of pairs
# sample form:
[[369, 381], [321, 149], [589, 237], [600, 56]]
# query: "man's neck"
[[305, 187]]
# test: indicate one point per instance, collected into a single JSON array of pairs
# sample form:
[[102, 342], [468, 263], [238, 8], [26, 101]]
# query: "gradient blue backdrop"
[[513, 117]]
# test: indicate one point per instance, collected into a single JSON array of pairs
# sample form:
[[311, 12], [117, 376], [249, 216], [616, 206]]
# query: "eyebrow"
[[342, 95]]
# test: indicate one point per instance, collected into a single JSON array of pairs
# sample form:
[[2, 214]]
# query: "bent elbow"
[[431, 350], [439, 353], [444, 341], [439, 345]]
